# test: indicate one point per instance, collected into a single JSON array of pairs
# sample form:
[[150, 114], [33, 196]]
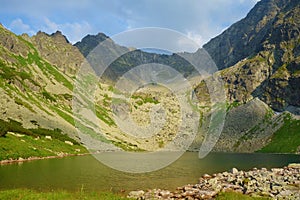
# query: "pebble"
[[276, 183]]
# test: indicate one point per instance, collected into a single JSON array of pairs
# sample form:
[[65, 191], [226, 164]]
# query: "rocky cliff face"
[[89, 42], [259, 58], [263, 50], [247, 36], [57, 50]]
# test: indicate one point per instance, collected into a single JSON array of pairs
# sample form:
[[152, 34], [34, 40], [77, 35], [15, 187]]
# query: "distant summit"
[[249, 35], [89, 42]]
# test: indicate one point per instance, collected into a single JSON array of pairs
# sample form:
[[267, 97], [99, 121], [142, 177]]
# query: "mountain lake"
[[86, 173]]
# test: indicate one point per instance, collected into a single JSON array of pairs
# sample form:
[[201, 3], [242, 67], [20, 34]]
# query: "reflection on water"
[[73, 173]]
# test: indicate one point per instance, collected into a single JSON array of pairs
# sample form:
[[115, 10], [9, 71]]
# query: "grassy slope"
[[25, 194], [15, 147], [286, 139], [17, 141]]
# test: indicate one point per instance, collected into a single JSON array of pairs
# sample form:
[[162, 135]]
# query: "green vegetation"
[[16, 146], [280, 72], [144, 99], [268, 116], [232, 105], [22, 103], [26, 194], [63, 114], [48, 96], [16, 127], [106, 100], [27, 143], [286, 139], [237, 196], [87, 130], [48, 69], [102, 114], [10, 73]]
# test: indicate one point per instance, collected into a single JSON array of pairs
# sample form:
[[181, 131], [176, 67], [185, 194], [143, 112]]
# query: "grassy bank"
[[23, 146], [26, 194], [20, 143]]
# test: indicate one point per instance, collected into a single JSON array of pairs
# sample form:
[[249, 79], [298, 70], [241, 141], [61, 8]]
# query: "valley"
[[57, 99]]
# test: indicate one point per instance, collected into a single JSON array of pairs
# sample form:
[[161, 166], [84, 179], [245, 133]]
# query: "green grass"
[[16, 127], [87, 130], [237, 196], [63, 114], [140, 100], [103, 115], [48, 96], [26, 194], [22, 103], [45, 67], [13, 147], [10, 73], [232, 105], [37, 102], [32, 142], [286, 139]]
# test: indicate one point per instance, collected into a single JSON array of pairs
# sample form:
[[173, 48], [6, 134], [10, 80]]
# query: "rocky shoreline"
[[277, 183]]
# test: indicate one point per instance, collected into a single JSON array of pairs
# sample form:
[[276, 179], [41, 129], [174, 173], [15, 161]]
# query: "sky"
[[200, 20]]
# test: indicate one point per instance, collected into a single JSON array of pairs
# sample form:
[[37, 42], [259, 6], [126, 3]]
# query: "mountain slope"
[[266, 59], [264, 67], [39, 92], [127, 59], [259, 57], [57, 50], [246, 37]]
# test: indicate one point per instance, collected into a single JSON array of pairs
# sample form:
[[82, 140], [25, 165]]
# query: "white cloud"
[[197, 38], [19, 27], [74, 31], [199, 19]]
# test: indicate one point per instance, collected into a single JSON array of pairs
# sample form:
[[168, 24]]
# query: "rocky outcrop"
[[239, 121], [57, 50], [263, 50], [247, 36], [277, 183], [89, 42], [12, 43]]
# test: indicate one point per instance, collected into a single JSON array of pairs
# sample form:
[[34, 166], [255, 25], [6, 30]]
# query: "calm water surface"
[[74, 173]]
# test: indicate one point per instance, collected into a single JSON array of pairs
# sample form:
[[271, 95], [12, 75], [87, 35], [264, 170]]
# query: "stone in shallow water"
[[294, 165], [165, 194], [136, 194], [206, 176], [234, 171]]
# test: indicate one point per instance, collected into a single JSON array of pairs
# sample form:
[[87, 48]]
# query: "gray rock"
[[136, 194], [294, 165], [234, 170]]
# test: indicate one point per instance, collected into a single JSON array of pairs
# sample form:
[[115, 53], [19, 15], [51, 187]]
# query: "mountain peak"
[[89, 42], [58, 51], [59, 36], [246, 36]]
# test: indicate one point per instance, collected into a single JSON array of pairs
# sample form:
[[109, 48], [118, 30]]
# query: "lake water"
[[74, 173]]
